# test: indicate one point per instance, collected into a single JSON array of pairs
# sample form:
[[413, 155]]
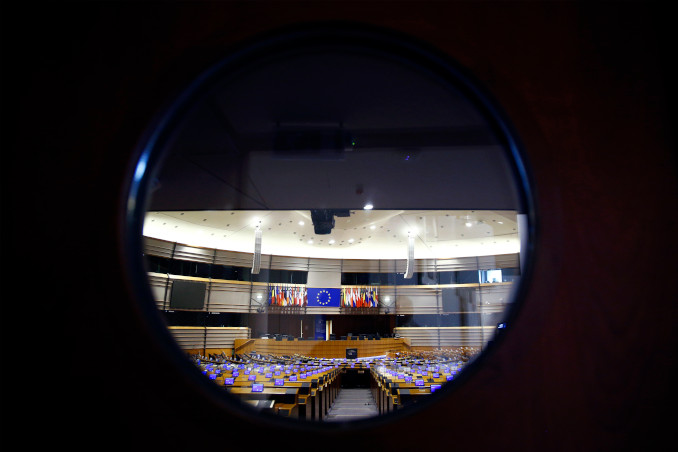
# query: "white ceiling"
[[365, 234]]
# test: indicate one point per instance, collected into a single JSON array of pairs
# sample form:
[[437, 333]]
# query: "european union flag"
[[324, 297]]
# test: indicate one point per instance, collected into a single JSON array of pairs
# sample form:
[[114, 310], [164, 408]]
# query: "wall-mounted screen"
[[187, 295]]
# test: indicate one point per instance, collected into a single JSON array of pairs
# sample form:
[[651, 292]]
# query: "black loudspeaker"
[[256, 258], [409, 271], [351, 353]]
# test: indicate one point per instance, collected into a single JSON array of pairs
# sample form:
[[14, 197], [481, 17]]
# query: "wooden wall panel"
[[589, 362], [324, 349]]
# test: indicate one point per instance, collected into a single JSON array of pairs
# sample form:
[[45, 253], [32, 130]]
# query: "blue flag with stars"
[[324, 298]]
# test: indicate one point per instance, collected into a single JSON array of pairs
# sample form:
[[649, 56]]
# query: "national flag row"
[[351, 297], [359, 297], [288, 296]]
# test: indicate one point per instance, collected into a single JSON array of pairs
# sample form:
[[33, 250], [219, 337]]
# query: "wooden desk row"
[[312, 394], [392, 393], [308, 398]]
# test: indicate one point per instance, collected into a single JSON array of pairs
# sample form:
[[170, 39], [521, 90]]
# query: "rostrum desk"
[[320, 348]]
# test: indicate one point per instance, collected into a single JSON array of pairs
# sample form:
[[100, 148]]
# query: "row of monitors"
[[259, 387], [292, 375], [293, 371], [278, 381], [292, 378], [279, 370]]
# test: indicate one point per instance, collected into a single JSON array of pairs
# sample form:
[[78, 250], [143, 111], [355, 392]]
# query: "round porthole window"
[[330, 225]]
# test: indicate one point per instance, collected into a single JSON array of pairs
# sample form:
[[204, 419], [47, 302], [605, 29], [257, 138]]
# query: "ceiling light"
[[368, 206], [373, 227], [301, 223], [310, 242], [409, 270], [469, 221], [350, 240], [331, 241]]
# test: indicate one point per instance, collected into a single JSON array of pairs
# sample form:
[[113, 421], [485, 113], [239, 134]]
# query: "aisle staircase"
[[351, 405]]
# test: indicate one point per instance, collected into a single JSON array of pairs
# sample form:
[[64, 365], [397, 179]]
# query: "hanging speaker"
[[409, 270], [256, 259]]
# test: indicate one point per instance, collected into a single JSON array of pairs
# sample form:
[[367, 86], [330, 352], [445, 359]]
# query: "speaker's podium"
[[351, 353]]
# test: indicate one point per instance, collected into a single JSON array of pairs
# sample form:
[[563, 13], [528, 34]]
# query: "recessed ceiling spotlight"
[[373, 227], [368, 206], [301, 223], [469, 221], [310, 242], [350, 240], [331, 241]]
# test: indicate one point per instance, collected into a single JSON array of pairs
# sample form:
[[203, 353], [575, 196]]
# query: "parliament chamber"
[[305, 388], [293, 359]]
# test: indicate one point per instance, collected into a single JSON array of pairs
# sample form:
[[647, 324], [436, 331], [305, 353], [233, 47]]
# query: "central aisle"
[[352, 404]]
